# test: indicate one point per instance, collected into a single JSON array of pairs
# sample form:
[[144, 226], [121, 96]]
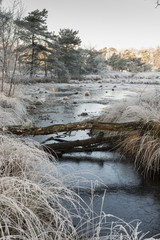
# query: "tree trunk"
[[153, 127], [32, 57], [45, 70], [3, 72], [91, 144], [12, 77]]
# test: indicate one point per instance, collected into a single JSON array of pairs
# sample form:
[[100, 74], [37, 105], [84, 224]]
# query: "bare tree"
[[9, 41]]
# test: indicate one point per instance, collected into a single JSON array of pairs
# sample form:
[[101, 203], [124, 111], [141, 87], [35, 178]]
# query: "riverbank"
[[31, 197]]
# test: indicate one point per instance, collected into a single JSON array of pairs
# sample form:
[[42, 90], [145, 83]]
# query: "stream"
[[128, 194]]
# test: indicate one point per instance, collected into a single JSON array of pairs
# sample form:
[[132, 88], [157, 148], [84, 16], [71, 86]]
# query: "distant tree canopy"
[[127, 63], [68, 38], [94, 61]]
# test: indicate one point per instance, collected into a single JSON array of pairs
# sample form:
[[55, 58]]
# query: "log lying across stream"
[[100, 142], [84, 125]]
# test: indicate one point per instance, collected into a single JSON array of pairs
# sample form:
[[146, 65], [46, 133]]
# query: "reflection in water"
[[128, 195]]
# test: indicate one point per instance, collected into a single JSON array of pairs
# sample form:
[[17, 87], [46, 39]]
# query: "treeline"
[[28, 48], [133, 60]]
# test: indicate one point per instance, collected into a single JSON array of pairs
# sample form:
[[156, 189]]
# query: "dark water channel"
[[129, 196]]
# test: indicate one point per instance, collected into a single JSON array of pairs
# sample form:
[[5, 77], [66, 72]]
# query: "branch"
[[99, 143], [157, 4]]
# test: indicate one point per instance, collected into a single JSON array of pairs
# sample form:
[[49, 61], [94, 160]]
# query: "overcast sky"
[[105, 23]]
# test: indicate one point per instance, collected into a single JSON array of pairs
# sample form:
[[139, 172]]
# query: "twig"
[[157, 4]]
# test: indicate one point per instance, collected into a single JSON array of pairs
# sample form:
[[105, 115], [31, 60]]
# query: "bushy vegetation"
[[31, 197], [133, 60], [131, 64]]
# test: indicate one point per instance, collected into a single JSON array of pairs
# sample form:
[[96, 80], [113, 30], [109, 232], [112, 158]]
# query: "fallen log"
[[69, 127], [91, 144]]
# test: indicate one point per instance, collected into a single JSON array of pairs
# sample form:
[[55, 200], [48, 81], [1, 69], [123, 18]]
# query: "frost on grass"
[[31, 211], [143, 107], [133, 78], [145, 148], [13, 109], [22, 157], [31, 198]]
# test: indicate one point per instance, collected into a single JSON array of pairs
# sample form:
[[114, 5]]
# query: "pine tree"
[[34, 35], [69, 54], [94, 61]]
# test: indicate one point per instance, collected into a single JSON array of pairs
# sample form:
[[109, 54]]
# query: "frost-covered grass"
[[146, 150], [105, 75], [34, 203], [13, 109], [144, 147], [32, 198], [132, 78], [145, 106]]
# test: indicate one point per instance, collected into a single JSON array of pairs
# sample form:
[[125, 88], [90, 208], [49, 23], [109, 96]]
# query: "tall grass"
[[144, 147], [27, 213], [13, 109], [31, 198], [144, 106], [146, 152]]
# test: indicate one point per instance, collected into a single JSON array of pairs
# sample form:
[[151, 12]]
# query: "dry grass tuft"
[[30, 210], [145, 106], [13, 109], [146, 151], [31, 196], [144, 147], [23, 158]]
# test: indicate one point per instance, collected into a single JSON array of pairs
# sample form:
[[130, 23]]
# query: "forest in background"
[[29, 49]]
